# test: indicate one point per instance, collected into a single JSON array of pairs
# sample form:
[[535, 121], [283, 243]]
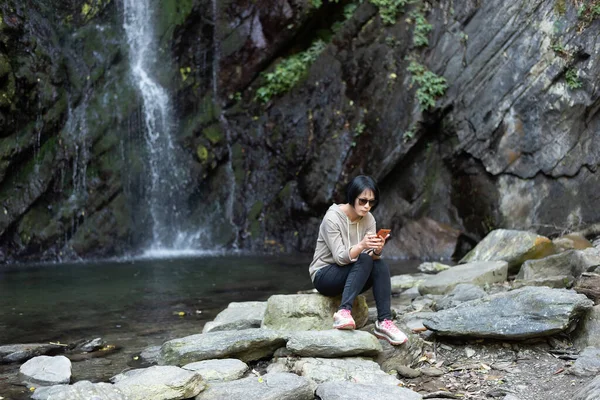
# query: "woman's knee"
[[380, 265], [365, 261]]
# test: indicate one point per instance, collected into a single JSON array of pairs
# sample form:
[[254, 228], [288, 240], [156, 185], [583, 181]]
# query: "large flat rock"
[[333, 343], [246, 345], [475, 273], [272, 386], [358, 391], [523, 313]]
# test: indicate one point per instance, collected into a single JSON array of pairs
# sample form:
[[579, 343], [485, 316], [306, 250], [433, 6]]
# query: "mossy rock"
[[213, 133]]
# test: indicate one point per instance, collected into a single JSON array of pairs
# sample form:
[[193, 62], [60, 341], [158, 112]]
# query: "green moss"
[[35, 221], [560, 7], [202, 153], [93, 8], [171, 14], [254, 218], [213, 133]]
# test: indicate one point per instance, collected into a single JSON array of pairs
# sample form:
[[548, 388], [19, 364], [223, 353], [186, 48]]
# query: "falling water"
[[168, 181]]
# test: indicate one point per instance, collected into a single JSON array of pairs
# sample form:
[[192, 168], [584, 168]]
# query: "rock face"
[[509, 143], [522, 313]]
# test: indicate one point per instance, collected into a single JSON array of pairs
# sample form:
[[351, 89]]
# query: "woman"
[[347, 259]]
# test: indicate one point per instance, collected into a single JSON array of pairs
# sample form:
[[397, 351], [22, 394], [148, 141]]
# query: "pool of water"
[[136, 304]]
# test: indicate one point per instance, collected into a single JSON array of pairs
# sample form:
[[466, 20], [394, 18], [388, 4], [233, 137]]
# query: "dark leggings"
[[352, 279]]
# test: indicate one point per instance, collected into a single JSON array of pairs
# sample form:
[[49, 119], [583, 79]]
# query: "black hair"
[[358, 185]]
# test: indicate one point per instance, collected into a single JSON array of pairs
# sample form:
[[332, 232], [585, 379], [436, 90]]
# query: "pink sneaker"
[[389, 331], [343, 320]]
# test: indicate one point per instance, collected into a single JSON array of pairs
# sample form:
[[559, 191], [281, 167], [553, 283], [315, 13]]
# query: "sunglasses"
[[362, 202]]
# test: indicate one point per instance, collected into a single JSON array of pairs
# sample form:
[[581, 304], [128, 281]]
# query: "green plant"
[[389, 9], [409, 133], [431, 86], [288, 72], [422, 28], [572, 79]]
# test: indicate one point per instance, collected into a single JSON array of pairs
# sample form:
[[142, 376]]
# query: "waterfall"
[[166, 195]]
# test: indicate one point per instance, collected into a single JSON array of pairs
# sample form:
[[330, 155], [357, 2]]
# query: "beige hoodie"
[[336, 236]]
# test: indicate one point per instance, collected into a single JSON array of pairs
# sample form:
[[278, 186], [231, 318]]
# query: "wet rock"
[[271, 386], [333, 343], [358, 391], [218, 370], [150, 355], [46, 371], [82, 390], [476, 273], [21, 352], [523, 313], [238, 316], [246, 345], [91, 345], [512, 246], [159, 383], [302, 312]]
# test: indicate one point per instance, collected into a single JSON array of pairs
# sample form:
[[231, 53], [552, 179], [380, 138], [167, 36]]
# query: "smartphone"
[[382, 233]]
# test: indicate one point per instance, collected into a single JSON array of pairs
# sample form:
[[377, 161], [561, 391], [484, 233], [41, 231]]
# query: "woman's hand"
[[372, 241]]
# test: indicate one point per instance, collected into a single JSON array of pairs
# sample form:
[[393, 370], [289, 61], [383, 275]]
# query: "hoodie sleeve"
[[331, 232]]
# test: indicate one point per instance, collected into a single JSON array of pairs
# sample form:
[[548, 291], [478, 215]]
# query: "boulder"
[[432, 267], [228, 369], [401, 283], [236, 316], [15, 353], [512, 246], [476, 273], [159, 383], [322, 370], [246, 345], [333, 343], [359, 391], [587, 364], [303, 312], [82, 390], [569, 264], [519, 314], [571, 241], [588, 329], [272, 386], [46, 371], [589, 284]]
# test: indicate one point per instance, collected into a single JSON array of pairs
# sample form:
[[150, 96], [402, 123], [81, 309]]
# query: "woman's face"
[[364, 202]]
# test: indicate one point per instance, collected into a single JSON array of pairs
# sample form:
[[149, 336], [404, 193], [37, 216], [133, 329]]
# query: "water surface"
[[136, 304]]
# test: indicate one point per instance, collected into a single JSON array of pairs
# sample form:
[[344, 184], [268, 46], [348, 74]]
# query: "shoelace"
[[389, 325]]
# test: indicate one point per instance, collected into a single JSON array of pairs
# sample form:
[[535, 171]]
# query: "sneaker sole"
[[391, 341], [348, 326]]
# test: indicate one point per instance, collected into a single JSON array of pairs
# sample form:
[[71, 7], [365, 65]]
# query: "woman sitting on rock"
[[347, 259]]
